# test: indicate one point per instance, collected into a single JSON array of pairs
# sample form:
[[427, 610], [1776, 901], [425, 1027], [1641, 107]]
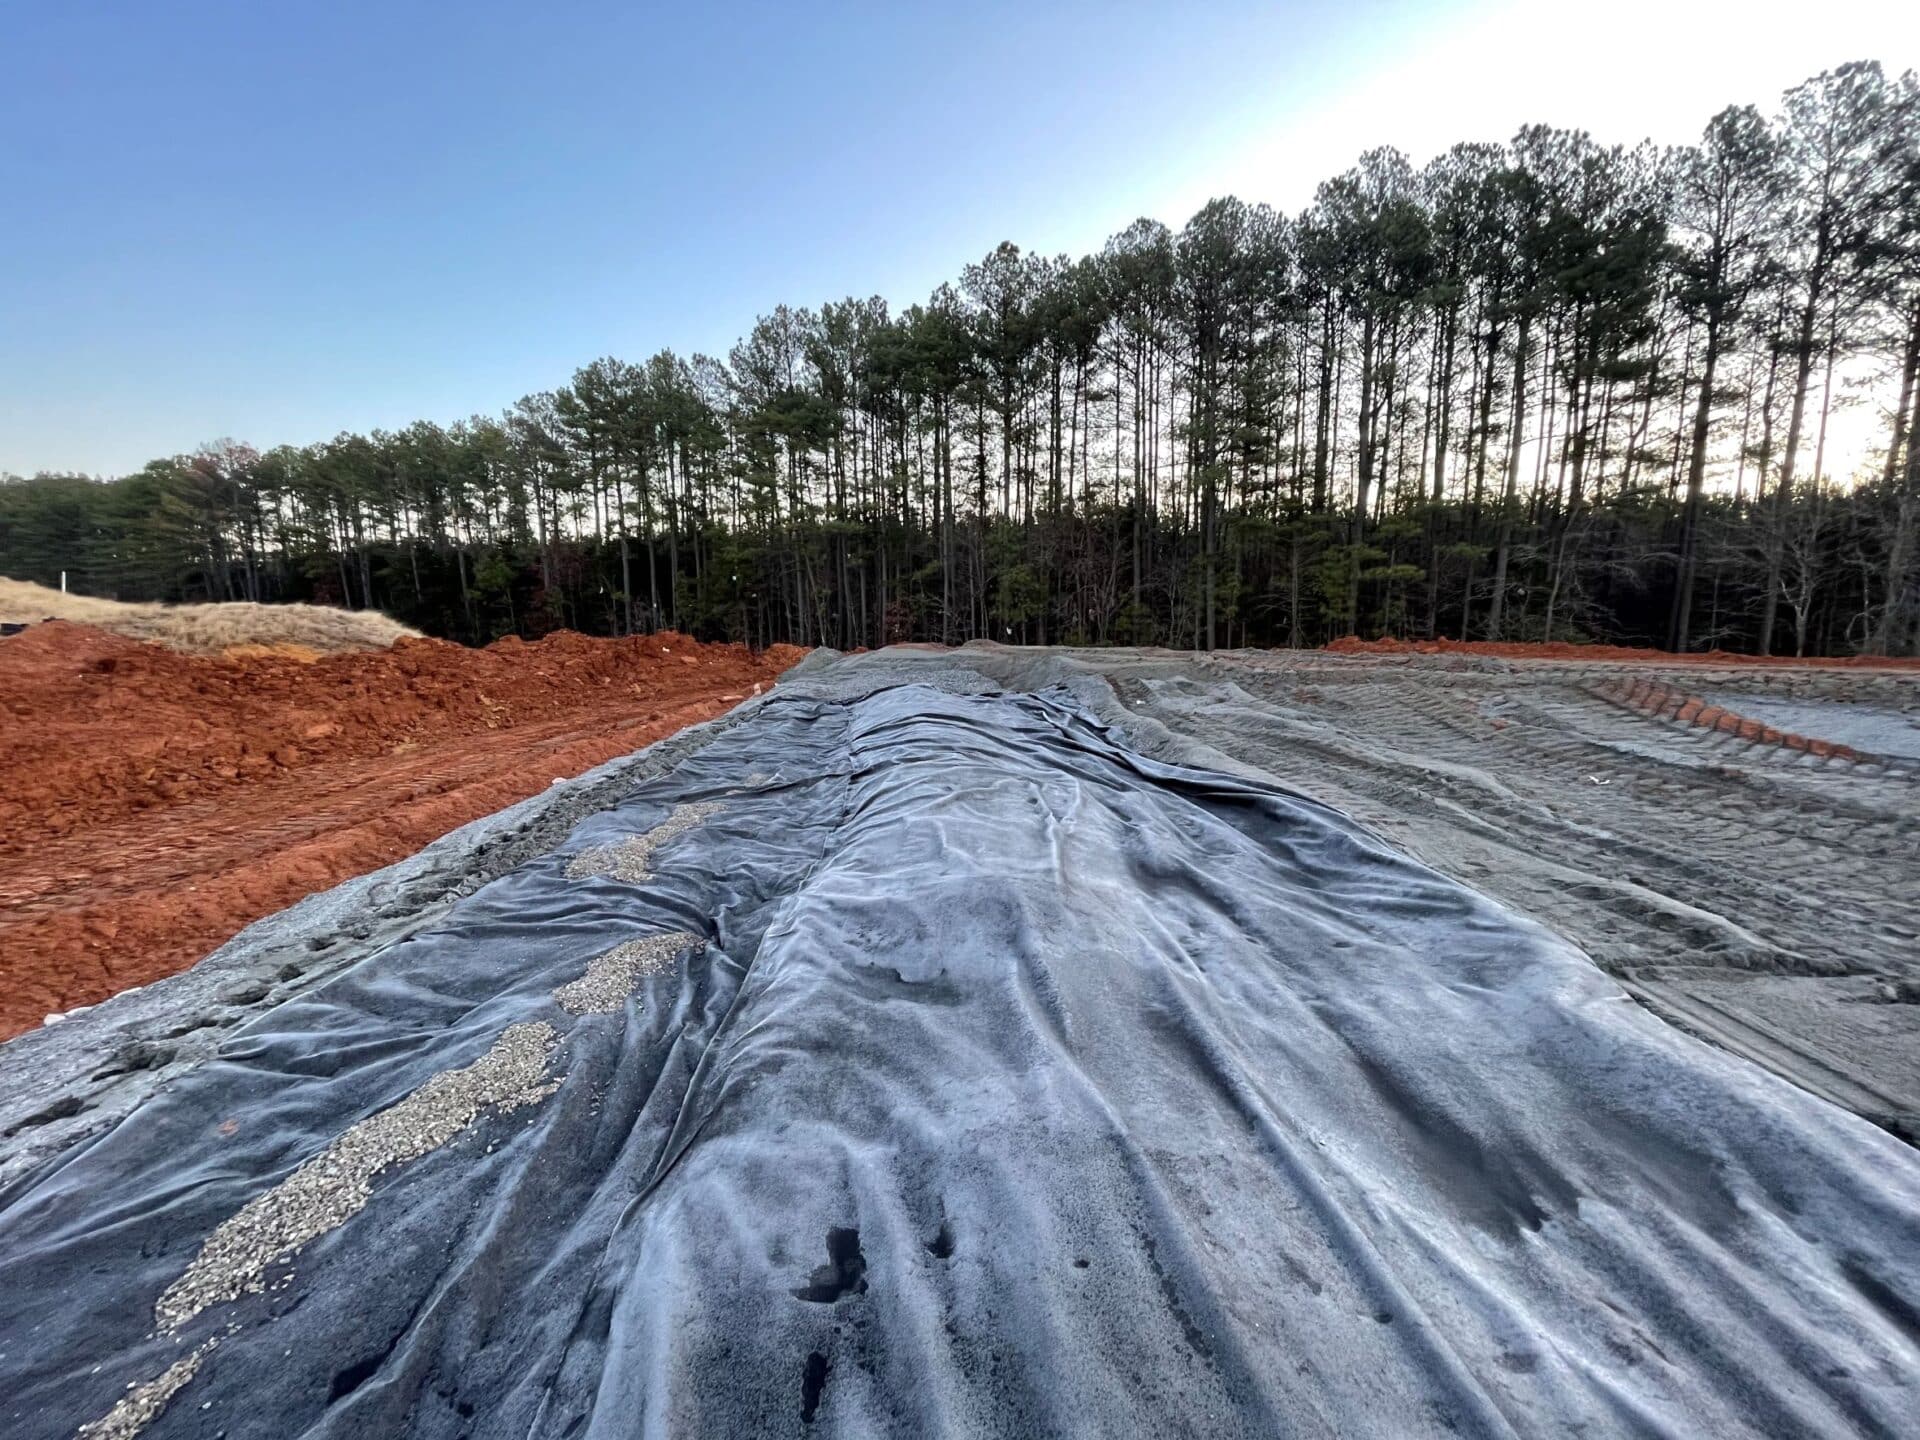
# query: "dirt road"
[[157, 803]]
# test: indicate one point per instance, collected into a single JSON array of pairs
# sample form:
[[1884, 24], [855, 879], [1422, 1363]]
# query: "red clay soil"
[[155, 804], [1651, 697], [1561, 650]]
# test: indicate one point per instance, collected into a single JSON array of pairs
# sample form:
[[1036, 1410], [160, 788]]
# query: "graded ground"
[[156, 803]]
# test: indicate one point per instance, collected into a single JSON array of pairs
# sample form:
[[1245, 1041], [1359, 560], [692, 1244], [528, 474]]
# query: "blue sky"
[[277, 220]]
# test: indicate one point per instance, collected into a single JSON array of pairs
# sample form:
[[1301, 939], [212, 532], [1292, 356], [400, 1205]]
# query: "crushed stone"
[[142, 1404], [611, 977], [335, 1185], [631, 860]]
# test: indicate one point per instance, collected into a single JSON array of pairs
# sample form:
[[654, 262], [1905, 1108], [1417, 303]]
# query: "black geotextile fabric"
[[1023, 1086]]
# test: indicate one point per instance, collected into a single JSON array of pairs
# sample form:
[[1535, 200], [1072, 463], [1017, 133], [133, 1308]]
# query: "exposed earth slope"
[[156, 803]]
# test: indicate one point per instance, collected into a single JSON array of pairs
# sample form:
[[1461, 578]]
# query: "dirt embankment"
[[1562, 650], [155, 803]]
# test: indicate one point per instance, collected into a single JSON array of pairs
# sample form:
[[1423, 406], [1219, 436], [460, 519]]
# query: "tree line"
[[1550, 389]]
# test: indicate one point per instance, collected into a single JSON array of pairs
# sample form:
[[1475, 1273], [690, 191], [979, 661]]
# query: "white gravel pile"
[[143, 1403], [334, 1185], [611, 977], [631, 860]]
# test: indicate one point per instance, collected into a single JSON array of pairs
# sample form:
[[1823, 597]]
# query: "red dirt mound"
[[157, 803], [1561, 650]]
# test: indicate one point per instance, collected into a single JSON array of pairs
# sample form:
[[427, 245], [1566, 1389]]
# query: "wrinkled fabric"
[[1023, 1085]]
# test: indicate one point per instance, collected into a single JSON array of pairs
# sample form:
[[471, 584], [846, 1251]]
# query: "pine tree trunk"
[[1497, 604], [1678, 638]]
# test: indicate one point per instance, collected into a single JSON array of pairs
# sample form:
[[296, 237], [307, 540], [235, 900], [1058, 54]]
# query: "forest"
[[1550, 389]]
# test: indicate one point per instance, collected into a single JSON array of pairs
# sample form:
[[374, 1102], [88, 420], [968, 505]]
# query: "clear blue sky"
[[275, 220]]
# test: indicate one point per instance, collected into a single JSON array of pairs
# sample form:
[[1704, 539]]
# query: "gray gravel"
[[143, 1403], [611, 978], [335, 1185], [631, 860]]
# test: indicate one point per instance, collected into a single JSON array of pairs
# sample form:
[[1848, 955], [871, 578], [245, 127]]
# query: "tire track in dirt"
[[1654, 820], [1760, 894]]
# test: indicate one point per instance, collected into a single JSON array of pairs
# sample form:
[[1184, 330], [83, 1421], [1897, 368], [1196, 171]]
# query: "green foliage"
[[1264, 429]]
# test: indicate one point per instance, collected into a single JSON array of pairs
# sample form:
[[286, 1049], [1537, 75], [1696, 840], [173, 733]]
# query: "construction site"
[[986, 722], [599, 1036]]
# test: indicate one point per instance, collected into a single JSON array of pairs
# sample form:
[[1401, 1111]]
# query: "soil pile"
[[155, 803], [207, 629]]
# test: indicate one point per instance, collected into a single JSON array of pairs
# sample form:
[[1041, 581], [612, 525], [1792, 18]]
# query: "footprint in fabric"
[[845, 1272]]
